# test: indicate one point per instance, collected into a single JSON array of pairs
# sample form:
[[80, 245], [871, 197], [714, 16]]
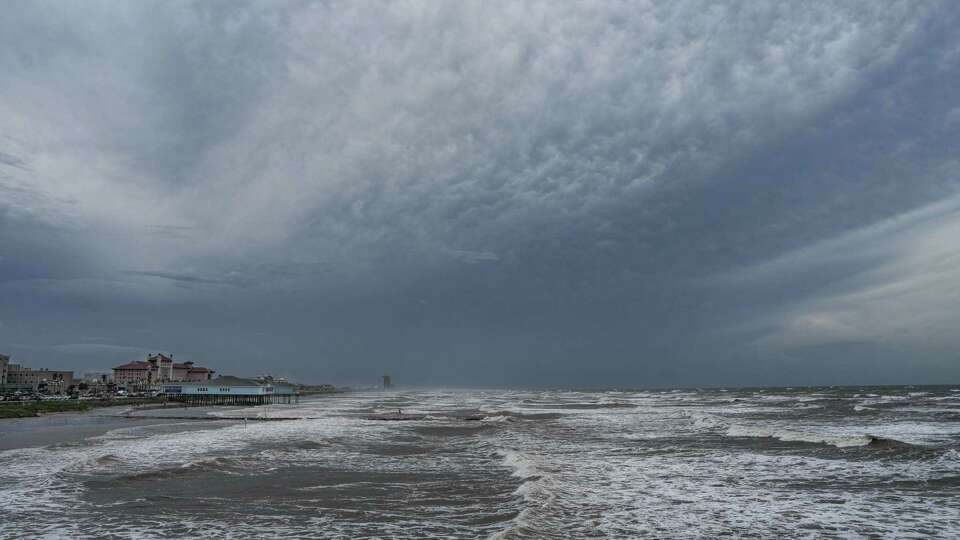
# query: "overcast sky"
[[485, 194]]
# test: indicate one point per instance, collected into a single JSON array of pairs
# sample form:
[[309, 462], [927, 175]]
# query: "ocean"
[[831, 462]]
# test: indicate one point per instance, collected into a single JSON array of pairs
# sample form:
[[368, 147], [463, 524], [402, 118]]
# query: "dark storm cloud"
[[475, 193]]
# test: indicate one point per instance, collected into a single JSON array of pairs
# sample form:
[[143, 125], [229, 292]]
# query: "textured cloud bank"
[[454, 188]]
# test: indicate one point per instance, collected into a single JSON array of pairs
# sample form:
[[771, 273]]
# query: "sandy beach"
[[74, 427]]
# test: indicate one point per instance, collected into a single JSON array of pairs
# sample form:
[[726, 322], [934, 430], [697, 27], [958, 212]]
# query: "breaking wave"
[[839, 441]]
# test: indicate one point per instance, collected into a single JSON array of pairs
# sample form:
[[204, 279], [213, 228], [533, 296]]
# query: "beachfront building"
[[187, 371], [95, 382], [133, 374], [303, 389], [159, 368], [97, 377], [284, 388], [271, 380], [229, 390], [6, 387], [48, 381]]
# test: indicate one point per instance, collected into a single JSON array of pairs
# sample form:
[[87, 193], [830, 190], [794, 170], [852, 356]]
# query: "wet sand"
[[71, 427], [63, 428]]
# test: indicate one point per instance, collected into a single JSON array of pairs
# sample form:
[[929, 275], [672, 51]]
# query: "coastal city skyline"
[[33, 380]]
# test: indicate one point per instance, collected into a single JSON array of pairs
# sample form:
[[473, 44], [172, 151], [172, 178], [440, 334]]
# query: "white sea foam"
[[665, 468], [523, 466], [537, 496], [708, 421], [786, 435]]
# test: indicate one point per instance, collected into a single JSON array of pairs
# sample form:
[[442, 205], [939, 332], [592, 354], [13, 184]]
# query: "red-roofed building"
[[133, 373], [159, 368], [163, 366], [187, 371], [199, 374]]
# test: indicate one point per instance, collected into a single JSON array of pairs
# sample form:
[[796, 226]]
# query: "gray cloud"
[[473, 257], [905, 294], [100, 348], [526, 188], [186, 278]]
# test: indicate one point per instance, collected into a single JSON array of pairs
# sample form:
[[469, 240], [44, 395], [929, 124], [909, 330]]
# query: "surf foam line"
[[838, 440], [536, 494]]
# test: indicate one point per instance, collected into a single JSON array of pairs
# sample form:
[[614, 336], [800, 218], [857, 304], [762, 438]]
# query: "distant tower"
[[387, 383]]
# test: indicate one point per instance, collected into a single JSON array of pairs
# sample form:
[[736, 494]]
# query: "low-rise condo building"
[[38, 380]]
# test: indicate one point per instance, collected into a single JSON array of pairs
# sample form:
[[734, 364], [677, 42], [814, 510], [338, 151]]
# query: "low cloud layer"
[[893, 282], [484, 194]]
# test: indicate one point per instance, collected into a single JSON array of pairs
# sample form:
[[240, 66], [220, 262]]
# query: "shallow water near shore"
[[794, 463], [62, 428]]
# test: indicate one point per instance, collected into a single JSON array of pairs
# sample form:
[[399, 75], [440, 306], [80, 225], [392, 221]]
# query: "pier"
[[226, 390], [200, 400]]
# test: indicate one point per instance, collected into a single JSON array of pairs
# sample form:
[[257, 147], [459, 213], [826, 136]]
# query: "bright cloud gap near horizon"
[[475, 194]]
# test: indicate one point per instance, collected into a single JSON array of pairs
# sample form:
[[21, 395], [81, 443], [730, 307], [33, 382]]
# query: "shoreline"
[[74, 425], [33, 409], [70, 427]]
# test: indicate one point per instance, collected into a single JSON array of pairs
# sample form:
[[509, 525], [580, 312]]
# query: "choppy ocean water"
[[854, 462]]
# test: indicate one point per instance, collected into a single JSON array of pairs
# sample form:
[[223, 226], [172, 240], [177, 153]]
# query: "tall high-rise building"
[[387, 382], [4, 361]]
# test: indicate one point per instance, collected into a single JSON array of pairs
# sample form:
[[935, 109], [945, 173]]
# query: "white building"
[[229, 390]]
